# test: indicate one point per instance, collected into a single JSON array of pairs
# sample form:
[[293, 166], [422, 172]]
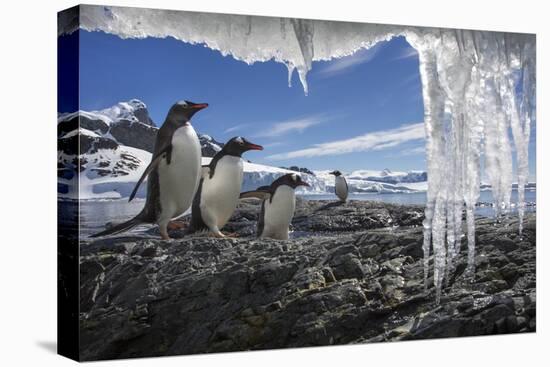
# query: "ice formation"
[[477, 86]]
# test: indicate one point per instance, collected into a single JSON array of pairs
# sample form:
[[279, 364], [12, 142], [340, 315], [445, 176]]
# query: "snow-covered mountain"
[[116, 145], [256, 175], [386, 181], [390, 177], [126, 123]]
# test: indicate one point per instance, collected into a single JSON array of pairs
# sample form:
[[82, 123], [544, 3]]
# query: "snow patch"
[[108, 174]]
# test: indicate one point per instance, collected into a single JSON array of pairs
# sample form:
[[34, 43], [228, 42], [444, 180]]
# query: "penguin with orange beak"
[[173, 174], [219, 188], [340, 186], [278, 204]]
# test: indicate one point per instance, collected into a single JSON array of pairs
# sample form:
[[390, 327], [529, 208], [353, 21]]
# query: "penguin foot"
[[232, 234], [176, 224], [216, 234]]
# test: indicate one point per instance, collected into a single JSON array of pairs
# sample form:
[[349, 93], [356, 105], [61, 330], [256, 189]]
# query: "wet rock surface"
[[352, 273]]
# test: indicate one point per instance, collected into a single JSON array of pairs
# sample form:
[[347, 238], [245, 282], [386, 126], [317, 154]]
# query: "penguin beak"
[[200, 106], [303, 183], [252, 146]]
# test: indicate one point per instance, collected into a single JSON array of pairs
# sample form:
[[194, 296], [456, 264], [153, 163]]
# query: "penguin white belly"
[[220, 194], [178, 181], [341, 188], [278, 213]]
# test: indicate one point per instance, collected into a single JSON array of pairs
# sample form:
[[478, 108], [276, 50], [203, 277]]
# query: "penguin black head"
[[237, 145], [182, 111], [290, 179], [336, 173]]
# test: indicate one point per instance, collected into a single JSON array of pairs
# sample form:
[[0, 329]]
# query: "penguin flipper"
[[256, 194], [347, 187], [152, 165]]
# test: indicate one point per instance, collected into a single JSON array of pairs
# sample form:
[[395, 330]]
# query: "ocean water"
[[484, 207], [94, 214]]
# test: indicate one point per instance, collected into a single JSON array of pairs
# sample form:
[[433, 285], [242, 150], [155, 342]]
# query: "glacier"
[[380, 182], [477, 87]]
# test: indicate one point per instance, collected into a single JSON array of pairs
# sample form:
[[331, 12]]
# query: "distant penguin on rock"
[[173, 174], [219, 188], [278, 204], [340, 186]]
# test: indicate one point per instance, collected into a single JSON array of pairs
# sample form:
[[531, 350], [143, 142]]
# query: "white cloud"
[[346, 63], [235, 128], [414, 151], [285, 127], [372, 141], [407, 53], [419, 150]]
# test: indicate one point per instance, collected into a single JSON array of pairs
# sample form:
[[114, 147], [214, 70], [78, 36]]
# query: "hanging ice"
[[477, 86], [469, 83]]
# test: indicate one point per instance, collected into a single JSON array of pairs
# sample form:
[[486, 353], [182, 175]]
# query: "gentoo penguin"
[[278, 203], [219, 188], [340, 186], [174, 171]]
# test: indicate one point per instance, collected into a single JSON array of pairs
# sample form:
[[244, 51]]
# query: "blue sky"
[[364, 111]]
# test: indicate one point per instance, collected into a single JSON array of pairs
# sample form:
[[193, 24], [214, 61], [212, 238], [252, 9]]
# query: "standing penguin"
[[278, 204], [340, 186], [219, 188], [174, 171]]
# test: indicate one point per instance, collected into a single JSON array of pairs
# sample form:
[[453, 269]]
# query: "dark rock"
[[135, 134], [85, 144], [209, 145], [505, 244], [347, 266], [328, 275], [362, 283], [509, 272]]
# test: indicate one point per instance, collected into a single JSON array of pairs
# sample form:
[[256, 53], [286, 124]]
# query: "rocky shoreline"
[[351, 273]]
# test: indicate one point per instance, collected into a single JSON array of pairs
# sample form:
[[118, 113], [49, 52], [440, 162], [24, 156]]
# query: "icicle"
[[472, 152], [459, 73], [452, 177], [290, 68], [521, 136], [476, 46], [302, 74], [459, 41], [304, 34], [498, 162], [249, 25], [438, 242], [473, 133], [527, 114], [434, 110]]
